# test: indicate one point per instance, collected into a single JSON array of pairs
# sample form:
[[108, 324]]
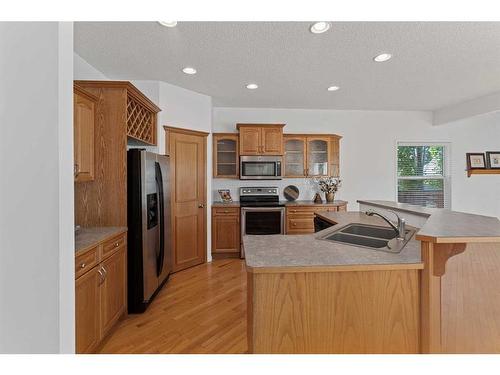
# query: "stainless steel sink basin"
[[369, 236]]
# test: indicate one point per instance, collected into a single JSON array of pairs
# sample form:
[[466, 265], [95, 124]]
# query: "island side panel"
[[430, 302], [334, 312], [470, 297]]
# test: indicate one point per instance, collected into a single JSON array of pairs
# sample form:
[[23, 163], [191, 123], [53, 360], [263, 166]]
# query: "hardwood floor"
[[199, 310]]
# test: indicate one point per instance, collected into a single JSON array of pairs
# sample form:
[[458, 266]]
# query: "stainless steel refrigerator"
[[149, 227]]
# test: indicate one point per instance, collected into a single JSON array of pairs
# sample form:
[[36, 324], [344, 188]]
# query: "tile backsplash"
[[307, 188]]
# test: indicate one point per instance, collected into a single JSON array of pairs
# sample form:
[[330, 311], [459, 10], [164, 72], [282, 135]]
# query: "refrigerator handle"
[[159, 184]]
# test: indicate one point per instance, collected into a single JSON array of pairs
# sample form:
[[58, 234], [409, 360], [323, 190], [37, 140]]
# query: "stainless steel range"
[[261, 212]]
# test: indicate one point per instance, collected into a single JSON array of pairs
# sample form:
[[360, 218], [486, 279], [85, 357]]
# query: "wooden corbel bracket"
[[443, 252]]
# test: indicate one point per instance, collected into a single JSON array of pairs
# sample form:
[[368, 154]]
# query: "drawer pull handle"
[[294, 224], [83, 265]]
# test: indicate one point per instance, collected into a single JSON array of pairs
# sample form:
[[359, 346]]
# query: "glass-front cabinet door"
[[225, 163], [317, 156], [295, 156]]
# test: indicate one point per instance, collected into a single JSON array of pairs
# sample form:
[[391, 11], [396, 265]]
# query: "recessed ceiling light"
[[333, 88], [382, 57], [319, 27], [189, 70], [252, 86], [168, 23]]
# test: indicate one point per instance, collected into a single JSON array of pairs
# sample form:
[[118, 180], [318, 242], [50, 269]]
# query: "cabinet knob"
[[117, 244], [226, 211], [82, 265], [294, 224], [201, 205]]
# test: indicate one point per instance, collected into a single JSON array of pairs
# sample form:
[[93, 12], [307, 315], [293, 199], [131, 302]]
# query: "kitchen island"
[[438, 295]]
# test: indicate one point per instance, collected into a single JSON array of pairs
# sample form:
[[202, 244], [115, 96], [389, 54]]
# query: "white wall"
[[82, 70], [36, 190], [367, 159], [187, 109]]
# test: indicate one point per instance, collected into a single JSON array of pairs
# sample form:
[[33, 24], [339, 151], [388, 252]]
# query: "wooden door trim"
[[185, 131]]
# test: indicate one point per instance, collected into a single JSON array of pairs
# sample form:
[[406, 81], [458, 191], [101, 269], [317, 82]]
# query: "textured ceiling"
[[433, 64]]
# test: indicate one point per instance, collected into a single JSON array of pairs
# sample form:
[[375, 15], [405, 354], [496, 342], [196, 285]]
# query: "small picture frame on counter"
[[476, 160], [493, 159], [225, 195]]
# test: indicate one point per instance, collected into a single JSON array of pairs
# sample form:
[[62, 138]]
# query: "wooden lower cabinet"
[[100, 298], [113, 291], [300, 219], [87, 311], [226, 230]]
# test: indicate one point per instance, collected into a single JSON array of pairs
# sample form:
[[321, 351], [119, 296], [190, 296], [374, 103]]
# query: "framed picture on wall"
[[476, 160], [493, 159]]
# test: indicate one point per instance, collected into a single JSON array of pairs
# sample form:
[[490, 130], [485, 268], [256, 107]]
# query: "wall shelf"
[[482, 171]]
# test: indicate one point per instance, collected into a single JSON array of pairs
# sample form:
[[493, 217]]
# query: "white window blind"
[[422, 174]]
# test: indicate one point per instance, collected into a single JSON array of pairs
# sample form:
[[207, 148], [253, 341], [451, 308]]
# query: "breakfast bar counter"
[[438, 295]]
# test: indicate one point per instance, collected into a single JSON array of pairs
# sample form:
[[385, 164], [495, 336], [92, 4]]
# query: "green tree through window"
[[420, 171]]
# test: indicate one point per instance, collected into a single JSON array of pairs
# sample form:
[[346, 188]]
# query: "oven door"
[[262, 220]]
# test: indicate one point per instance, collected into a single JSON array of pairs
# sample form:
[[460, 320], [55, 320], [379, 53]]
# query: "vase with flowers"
[[328, 185]]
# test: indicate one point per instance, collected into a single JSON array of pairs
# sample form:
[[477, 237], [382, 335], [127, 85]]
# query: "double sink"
[[370, 236]]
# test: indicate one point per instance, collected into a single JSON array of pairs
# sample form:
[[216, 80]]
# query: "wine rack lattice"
[[141, 121]]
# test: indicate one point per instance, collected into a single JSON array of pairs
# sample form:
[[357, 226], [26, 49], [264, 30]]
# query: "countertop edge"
[[428, 232], [336, 268], [299, 203], [403, 209], [81, 250]]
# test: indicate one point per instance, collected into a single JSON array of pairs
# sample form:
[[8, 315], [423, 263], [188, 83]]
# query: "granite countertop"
[[91, 236], [445, 226], [309, 251], [223, 204], [311, 203], [403, 207], [285, 203]]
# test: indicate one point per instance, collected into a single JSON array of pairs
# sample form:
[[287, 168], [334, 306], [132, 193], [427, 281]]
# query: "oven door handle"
[[263, 209]]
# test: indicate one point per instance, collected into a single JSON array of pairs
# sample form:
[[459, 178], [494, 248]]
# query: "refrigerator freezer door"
[[150, 224], [166, 222]]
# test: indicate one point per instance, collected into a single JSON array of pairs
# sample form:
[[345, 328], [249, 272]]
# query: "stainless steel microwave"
[[260, 167]]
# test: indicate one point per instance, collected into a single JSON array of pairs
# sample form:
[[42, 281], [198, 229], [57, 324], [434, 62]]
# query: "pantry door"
[[188, 171]]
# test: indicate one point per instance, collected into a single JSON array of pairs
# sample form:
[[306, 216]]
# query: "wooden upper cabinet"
[[272, 140], [335, 156], [310, 155], [295, 156], [225, 155], [261, 139], [318, 150], [84, 115], [250, 140]]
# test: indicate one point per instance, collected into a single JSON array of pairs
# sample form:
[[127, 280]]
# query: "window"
[[422, 174]]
